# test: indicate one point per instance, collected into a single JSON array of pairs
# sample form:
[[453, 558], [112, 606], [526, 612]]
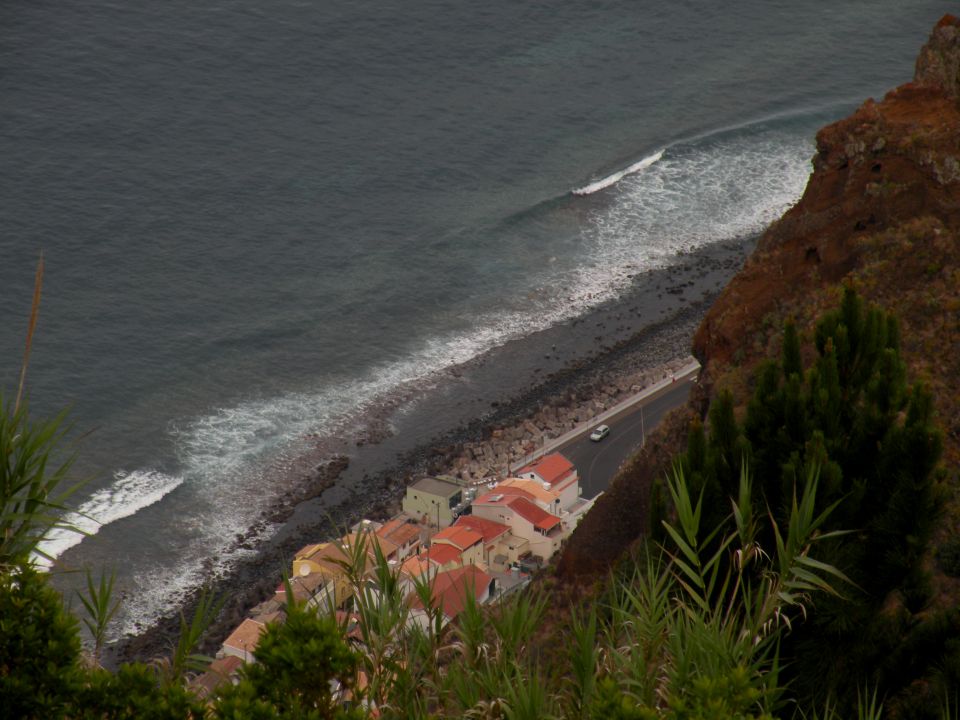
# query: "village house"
[[557, 474], [370, 541], [517, 509], [417, 567], [468, 543], [450, 593], [537, 492], [431, 561], [433, 501], [242, 642], [404, 532], [501, 547], [330, 560], [314, 590]]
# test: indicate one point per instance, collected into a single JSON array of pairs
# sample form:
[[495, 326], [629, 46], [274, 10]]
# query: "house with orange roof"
[[326, 560], [468, 543], [404, 532], [443, 556], [416, 566], [438, 558], [501, 546], [517, 509], [372, 540], [556, 473], [536, 491], [450, 592], [242, 642]]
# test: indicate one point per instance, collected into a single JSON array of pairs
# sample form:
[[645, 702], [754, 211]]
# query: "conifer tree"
[[875, 442], [792, 364]]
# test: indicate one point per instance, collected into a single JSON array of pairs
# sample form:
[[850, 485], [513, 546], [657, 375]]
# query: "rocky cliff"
[[881, 212]]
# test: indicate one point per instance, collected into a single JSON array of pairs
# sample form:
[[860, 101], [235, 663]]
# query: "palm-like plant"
[[701, 627], [100, 608], [31, 499]]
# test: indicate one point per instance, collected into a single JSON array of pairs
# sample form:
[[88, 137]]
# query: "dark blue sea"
[[264, 221]]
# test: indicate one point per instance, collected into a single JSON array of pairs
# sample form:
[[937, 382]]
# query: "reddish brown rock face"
[[889, 163], [939, 60]]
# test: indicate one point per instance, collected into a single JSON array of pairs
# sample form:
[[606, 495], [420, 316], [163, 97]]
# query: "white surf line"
[[127, 495], [619, 175]]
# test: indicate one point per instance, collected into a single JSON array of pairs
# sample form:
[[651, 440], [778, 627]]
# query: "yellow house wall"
[[471, 556], [418, 504]]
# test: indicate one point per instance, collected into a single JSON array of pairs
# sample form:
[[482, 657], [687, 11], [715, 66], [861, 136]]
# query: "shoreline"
[[338, 482]]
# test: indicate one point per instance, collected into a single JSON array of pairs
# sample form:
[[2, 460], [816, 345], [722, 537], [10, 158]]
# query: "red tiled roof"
[[489, 529], [246, 636], [399, 531], [390, 525], [449, 591], [442, 554], [536, 488], [541, 519], [505, 494], [552, 468], [459, 536], [415, 565]]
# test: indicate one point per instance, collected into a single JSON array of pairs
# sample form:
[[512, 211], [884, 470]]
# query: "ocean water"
[[263, 221]]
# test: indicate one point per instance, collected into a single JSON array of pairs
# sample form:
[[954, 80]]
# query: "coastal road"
[[598, 462]]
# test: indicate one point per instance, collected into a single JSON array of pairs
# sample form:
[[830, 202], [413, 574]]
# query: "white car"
[[599, 433]]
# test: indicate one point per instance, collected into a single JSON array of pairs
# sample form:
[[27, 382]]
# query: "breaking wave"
[[619, 175], [128, 494]]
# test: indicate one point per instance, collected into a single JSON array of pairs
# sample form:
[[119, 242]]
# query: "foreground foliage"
[[852, 414]]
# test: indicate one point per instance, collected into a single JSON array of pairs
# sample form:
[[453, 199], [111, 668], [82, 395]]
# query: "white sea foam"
[[128, 494], [619, 175], [715, 189]]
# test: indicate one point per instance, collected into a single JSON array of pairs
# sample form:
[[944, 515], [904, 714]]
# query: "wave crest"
[[619, 175], [128, 494]]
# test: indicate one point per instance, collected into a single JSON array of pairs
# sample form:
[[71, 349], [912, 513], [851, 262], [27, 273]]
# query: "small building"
[[242, 642], [371, 541], [500, 546], [435, 559], [331, 560], [433, 501], [468, 543], [518, 510], [451, 589], [444, 557], [417, 566], [537, 492], [404, 532], [556, 473]]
